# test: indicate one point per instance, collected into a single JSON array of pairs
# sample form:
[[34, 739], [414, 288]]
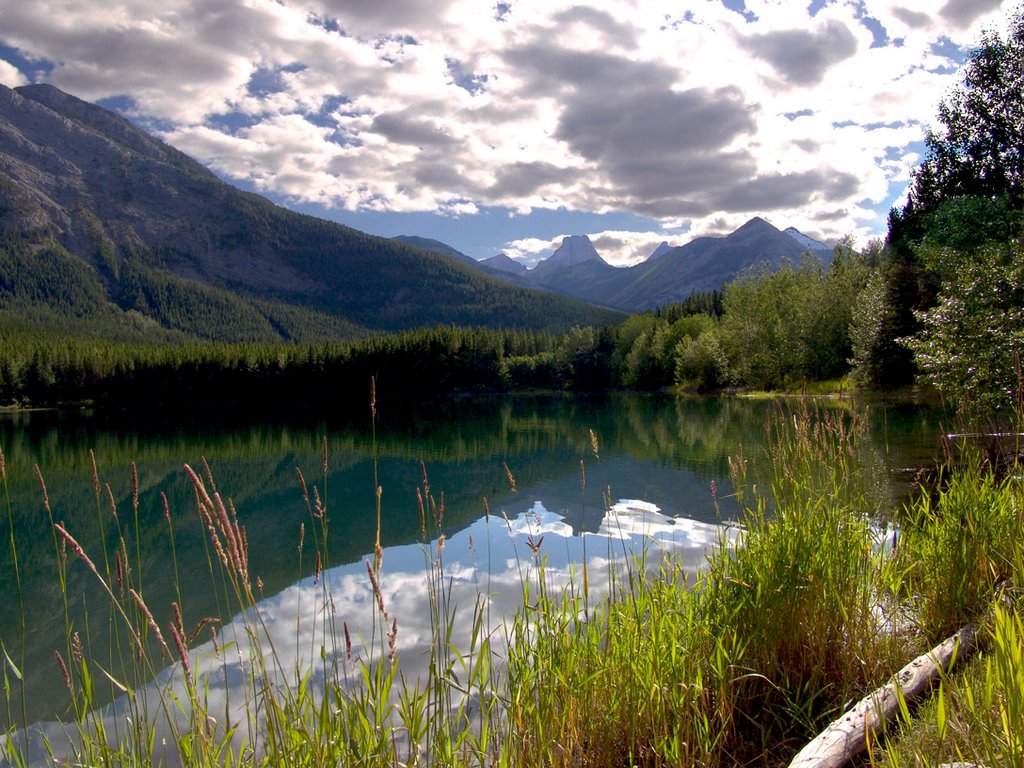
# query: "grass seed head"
[[64, 672]]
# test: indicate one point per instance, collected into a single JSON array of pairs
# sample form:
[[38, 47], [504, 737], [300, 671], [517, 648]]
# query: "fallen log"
[[848, 736]]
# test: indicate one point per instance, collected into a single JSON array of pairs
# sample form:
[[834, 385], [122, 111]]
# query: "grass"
[[741, 663], [747, 661], [961, 559]]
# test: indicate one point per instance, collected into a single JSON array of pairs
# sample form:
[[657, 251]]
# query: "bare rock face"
[[575, 249]]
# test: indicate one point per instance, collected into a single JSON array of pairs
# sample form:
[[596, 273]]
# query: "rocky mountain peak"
[[660, 251], [807, 242], [575, 249], [755, 225]]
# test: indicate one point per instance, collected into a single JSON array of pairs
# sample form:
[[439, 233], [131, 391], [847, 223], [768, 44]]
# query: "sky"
[[505, 125]]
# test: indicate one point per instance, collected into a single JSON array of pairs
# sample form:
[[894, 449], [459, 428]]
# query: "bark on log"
[[848, 736]]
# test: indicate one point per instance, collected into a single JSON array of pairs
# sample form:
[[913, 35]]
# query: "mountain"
[[575, 249], [429, 244], [809, 243], [705, 264], [505, 263], [102, 223], [660, 251], [575, 269], [670, 274]]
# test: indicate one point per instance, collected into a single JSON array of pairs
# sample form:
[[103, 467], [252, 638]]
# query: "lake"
[[513, 472]]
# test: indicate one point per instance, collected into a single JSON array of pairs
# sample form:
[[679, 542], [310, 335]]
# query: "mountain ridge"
[[79, 178], [505, 263], [669, 274]]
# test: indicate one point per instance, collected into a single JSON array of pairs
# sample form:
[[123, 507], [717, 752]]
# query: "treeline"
[[946, 304], [764, 330], [39, 367], [769, 330], [46, 369]]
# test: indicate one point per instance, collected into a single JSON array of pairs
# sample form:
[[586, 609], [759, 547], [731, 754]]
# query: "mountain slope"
[[429, 244], [704, 264], [505, 263], [78, 177], [669, 275]]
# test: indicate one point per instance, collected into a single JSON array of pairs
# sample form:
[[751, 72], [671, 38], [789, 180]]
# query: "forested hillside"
[[144, 229]]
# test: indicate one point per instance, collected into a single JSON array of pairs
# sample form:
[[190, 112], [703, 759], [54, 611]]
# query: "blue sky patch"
[[36, 70], [740, 7]]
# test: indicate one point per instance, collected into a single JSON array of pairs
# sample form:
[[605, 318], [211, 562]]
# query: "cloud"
[[913, 19], [370, 18], [528, 179], [802, 58], [405, 128], [11, 76], [675, 111], [777, 191], [594, 20], [622, 249], [963, 13], [530, 250]]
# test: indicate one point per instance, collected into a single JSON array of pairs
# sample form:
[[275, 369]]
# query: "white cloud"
[[682, 112], [11, 76], [530, 250]]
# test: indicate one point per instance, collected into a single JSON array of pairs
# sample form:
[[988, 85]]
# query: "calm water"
[[659, 455]]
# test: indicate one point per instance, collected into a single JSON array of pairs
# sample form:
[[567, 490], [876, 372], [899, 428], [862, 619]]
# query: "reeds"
[[961, 558], [739, 662], [750, 657], [957, 547]]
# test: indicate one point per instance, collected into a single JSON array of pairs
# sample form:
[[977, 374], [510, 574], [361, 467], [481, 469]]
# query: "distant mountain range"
[[668, 275], [504, 263], [103, 226], [106, 230]]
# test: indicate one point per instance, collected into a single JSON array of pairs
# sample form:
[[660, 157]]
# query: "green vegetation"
[[950, 250], [743, 661], [40, 367], [136, 297], [975, 715], [961, 560], [823, 595], [47, 291]]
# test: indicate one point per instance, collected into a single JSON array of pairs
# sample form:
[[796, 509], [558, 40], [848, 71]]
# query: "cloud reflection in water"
[[302, 628]]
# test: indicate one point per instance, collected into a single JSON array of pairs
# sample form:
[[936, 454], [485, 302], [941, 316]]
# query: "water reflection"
[[662, 451], [305, 626]]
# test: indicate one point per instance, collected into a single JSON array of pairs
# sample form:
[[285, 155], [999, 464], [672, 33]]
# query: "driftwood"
[[848, 736]]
